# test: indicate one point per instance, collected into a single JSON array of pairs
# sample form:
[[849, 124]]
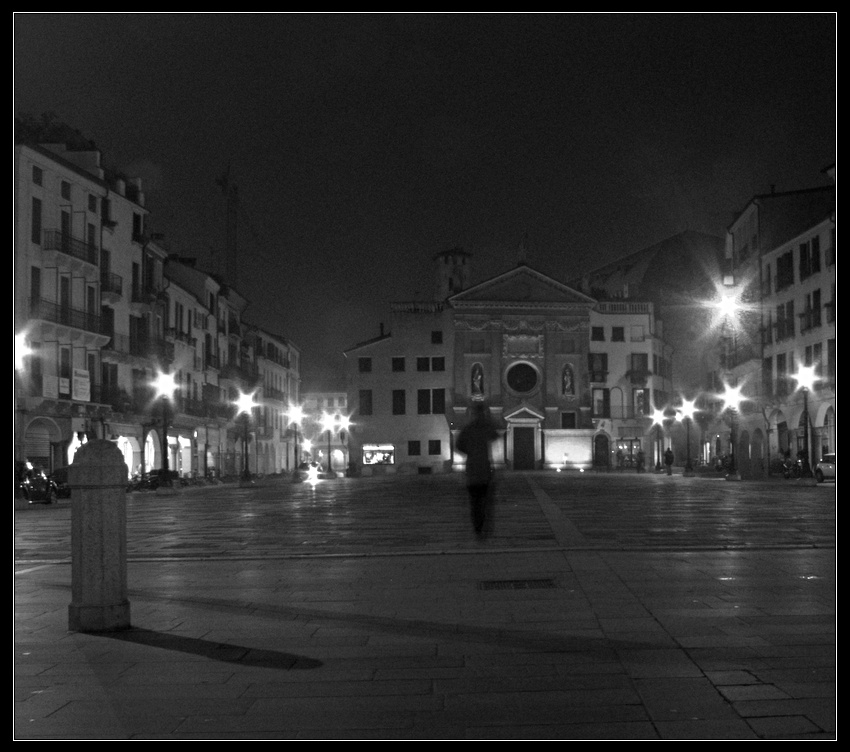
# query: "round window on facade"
[[522, 378]]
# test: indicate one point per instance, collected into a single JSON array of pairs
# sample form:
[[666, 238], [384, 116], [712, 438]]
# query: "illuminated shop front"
[[378, 454]]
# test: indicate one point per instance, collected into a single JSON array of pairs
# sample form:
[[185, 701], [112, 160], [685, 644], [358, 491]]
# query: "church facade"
[[569, 381]]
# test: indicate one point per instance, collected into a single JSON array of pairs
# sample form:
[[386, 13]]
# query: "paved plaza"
[[601, 606]]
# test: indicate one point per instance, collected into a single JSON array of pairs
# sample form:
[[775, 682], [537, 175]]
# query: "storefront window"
[[378, 454]]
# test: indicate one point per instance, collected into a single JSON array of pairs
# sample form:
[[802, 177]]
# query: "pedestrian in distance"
[[668, 460], [620, 460], [640, 461], [474, 441]]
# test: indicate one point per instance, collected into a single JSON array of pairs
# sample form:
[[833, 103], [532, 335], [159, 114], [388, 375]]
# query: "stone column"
[[98, 477]]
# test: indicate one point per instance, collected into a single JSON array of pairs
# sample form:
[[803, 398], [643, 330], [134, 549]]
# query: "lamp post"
[[22, 350], [686, 411], [165, 384], [244, 406], [658, 420], [805, 378], [295, 415], [328, 424], [731, 401], [344, 426]]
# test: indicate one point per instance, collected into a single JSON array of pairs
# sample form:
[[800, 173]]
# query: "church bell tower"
[[453, 272]]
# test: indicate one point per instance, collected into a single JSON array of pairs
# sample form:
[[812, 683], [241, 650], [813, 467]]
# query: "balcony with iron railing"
[[47, 310], [638, 376], [275, 395], [810, 319], [177, 335], [145, 294], [150, 347], [247, 373], [56, 240], [784, 329], [111, 287]]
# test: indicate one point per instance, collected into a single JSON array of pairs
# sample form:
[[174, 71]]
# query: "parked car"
[[60, 479], [825, 469], [33, 484]]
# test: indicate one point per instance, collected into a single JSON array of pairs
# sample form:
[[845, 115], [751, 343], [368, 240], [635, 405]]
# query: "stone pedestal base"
[[99, 618]]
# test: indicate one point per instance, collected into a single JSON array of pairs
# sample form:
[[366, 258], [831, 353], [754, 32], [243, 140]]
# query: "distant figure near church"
[[474, 441]]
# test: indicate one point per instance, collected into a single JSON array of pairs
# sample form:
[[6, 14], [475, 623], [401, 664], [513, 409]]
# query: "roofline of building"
[[367, 342], [762, 197]]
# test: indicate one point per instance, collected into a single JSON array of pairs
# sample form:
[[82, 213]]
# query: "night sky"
[[363, 144]]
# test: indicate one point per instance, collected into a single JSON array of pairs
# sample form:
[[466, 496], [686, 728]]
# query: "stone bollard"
[[98, 477]]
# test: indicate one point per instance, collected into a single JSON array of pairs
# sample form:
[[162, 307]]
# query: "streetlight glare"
[[245, 403], [22, 349], [165, 384], [732, 396], [295, 413], [687, 409], [328, 422], [729, 304], [805, 377], [658, 417]]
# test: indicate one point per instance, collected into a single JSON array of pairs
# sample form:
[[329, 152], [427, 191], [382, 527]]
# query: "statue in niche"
[[567, 382], [477, 380]]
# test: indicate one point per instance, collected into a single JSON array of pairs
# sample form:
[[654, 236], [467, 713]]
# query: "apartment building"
[[279, 387], [680, 278], [630, 373], [781, 250], [102, 311]]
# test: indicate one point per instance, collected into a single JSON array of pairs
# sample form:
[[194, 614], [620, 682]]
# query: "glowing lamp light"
[[295, 413], [245, 403], [687, 410], [658, 417], [728, 305], [22, 349], [805, 377], [165, 384], [732, 397]]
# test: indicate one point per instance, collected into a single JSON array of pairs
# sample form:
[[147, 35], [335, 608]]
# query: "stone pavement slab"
[[287, 613]]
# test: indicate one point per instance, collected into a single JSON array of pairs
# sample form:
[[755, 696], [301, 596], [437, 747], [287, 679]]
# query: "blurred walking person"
[[474, 441]]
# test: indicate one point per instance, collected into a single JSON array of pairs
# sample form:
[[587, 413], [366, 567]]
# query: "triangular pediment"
[[521, 286], [524, 412]]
